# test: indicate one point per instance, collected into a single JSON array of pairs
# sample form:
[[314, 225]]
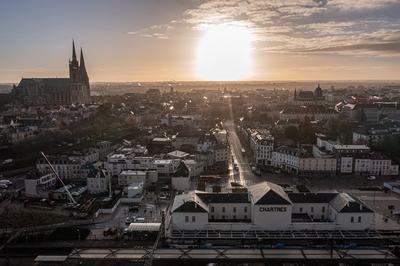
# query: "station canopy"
[[144, 227]]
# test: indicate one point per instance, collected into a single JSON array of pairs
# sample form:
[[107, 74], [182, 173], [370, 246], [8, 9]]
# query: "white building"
[[375, 164], [66, 167], [221, 154], [37, 185], [266, 206], [128, 177], [98, 181], [117, 162], [195, 167], [262, 145], [286, 158], [300, 161], [180, 180], [166, 167]]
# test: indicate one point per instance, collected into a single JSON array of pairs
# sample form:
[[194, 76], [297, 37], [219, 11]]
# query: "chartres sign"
[[272, 209]]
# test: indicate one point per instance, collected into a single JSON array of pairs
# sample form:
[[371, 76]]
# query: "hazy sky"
[[146, 40]]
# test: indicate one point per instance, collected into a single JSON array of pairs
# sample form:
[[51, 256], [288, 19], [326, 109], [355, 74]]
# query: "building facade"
[[266, 206]]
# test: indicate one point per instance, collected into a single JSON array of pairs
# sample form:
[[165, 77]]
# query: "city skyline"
[[187, 40]]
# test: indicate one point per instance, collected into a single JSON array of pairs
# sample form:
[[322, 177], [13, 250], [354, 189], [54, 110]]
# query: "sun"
[[224, 53]]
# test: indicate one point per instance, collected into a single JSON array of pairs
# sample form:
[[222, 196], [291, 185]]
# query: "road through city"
[[243, 174]]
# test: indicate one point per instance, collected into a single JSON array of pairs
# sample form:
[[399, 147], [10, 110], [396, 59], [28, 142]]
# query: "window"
[[301, 210], [322, 217], [245, 217], [352, 219], [212, 209], [245, 208], [234, 216], [212, 217], [234, 209], [323, 208], [223, 209], [312, 209], [223, 217], [186, 219], [359, 219], [193, 219]]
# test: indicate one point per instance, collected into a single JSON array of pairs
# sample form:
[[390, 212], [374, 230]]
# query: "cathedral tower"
[[74, 66]]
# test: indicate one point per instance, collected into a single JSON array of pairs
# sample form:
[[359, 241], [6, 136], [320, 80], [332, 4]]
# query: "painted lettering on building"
[[272, 209]]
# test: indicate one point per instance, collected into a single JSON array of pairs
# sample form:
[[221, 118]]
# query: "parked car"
[[140, 220], [6, 181], [372, 177], [3, 186]]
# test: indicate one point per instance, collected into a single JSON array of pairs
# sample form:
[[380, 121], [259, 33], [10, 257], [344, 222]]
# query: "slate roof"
[[312, 197], [267, 193], [46, 82], [188, 203], [224, 197], [344, 203]]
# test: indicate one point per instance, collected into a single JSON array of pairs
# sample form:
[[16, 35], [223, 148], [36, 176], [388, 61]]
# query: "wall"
[[272, 220], [315, 210], [344, 221], [178, 220], [229, 210]]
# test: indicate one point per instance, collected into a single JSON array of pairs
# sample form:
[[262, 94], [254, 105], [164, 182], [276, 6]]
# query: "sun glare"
[[224, 53]]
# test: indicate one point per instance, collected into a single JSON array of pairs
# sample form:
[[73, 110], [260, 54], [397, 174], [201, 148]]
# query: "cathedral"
[[56, 91], [309, 97]]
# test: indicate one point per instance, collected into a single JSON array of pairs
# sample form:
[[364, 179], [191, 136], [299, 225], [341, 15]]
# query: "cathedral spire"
[[73, 51], [82, 62]]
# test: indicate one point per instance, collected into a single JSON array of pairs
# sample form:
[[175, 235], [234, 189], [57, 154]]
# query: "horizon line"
[[230, 81]]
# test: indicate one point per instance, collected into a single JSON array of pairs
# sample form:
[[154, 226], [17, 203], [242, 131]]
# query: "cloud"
[[307, 26], [161, 31], [390, 47], [361, 4]]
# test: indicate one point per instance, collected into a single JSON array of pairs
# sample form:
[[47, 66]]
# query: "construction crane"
[[148, 261], [73, 201], [105, 174]]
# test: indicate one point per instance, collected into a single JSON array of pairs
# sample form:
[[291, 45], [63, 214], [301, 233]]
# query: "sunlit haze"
[[189, 40], [224, 53]]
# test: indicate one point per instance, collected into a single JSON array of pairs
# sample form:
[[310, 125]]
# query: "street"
[[244, 175]]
